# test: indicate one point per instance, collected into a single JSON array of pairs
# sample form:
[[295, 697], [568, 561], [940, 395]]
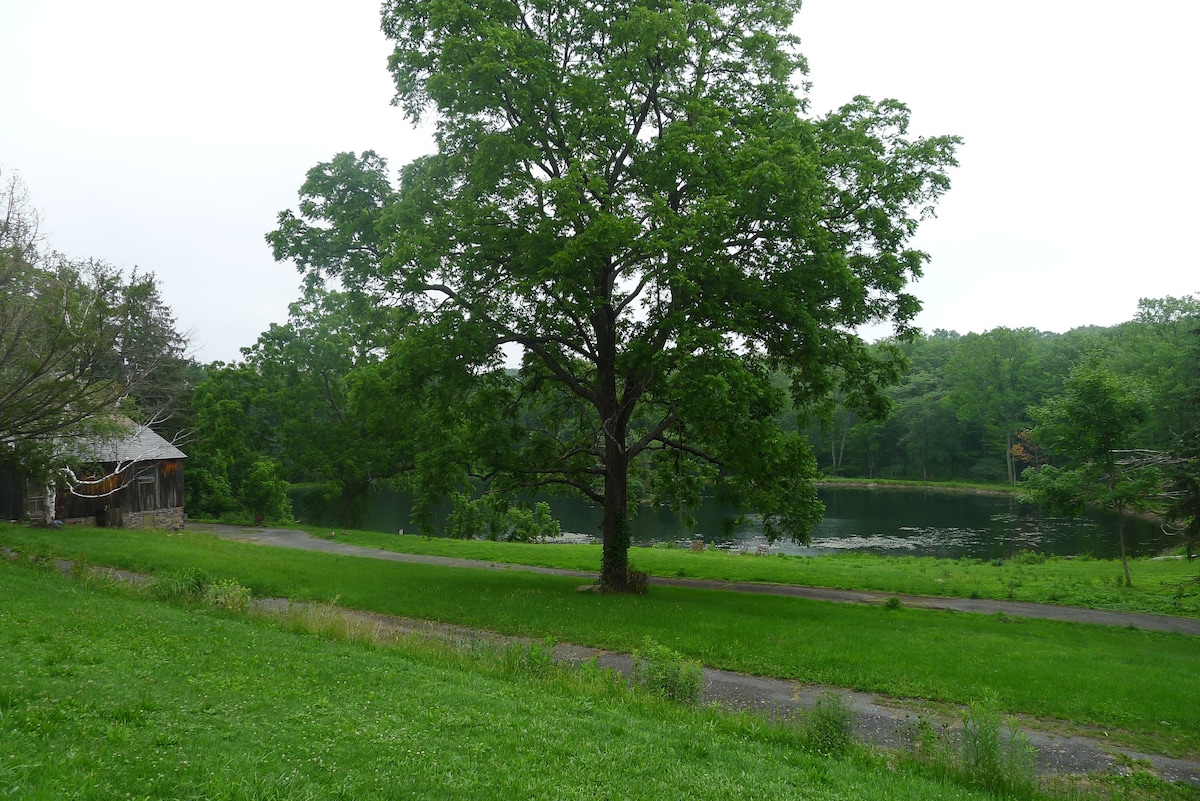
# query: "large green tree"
[[231, 433], [1185, 470], [994, 378], [632, 197], [308, 371], [1184, 491], [1157, 350], [294, 402], [1090, 423], [79, 343]]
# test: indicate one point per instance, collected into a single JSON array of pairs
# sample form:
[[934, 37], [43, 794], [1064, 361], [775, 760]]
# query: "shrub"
[[207, 492], [227, 594], [827, 726], [187, 584], [637, 581], [667, 674], [264, 491], [520, 524], [494, 518], [467, 517], [993, 757]]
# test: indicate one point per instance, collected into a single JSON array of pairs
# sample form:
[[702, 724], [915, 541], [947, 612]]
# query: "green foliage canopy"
[[633, 198], [264, 491], [298, 398], [994, 377], [79, 343], [1089, 422]]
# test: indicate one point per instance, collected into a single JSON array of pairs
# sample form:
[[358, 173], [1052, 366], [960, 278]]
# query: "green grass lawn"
[[107, 696], [991, 488], [1161, 586], [1145, 684]]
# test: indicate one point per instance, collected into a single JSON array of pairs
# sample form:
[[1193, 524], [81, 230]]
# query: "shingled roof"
[[142, 445]]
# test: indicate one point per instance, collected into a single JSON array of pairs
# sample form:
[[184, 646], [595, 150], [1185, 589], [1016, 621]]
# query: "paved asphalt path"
[[288, 538]]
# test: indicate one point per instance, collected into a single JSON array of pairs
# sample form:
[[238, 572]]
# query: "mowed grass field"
[[1166, 586], [109, 697], [1135, 686]]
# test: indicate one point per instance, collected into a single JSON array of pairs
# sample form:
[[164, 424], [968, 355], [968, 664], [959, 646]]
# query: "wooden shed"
[[130, 482]]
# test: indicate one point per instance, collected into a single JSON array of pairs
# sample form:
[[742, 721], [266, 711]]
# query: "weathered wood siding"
[[143, 487], [12, 492]]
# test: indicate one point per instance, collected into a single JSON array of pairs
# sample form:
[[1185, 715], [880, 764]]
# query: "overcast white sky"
[[169, 135]]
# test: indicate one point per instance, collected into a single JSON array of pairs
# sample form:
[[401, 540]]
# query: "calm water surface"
[[882, 521], [958, 524]]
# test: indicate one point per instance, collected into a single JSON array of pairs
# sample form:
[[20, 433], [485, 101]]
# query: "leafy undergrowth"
[[1161, 586], [1125, 682], [108, 696]]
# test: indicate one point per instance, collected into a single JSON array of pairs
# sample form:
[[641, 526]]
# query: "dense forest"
[[966, 407], [320, 404]]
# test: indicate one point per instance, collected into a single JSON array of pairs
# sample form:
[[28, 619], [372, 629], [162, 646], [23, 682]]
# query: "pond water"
[[899, 522], [876, 520], [961, 524]]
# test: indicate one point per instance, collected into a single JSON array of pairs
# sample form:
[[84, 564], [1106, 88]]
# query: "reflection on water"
[[883, 521], [897, 522]]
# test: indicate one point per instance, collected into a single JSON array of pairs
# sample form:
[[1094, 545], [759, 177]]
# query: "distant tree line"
[[967, 407], [1094, 418], [322, 403]]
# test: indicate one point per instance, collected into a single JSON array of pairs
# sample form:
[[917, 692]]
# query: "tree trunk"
[[1121, 539], [1008, 459], [50, 503], [1120, 509], [615, 556], [614, 416], [841, 455]]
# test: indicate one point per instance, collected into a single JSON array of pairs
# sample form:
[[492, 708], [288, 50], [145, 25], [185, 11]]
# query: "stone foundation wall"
[[170, 519]]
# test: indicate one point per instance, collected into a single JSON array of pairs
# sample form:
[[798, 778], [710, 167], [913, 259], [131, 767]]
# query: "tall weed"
[[534, 659], [667, 674], [995, 754], [988, 753], [828, 725], [184, 584], [227, 594]]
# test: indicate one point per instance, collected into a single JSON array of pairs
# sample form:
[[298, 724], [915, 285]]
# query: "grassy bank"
[[1161, 586], [115, 697], [973, 487], [1145, 684]]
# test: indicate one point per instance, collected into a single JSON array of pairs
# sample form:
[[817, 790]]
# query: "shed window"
[[147, 475]]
